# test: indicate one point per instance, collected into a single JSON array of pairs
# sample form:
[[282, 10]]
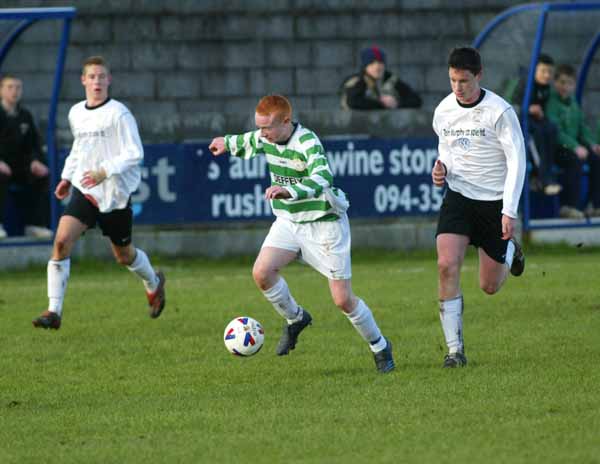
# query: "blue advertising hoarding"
[[185, 183]]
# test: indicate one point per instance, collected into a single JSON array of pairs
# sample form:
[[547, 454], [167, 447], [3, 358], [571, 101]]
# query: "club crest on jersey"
[[463, 143], [298, 165]]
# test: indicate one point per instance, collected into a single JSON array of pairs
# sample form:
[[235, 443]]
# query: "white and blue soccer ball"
[[244, 336]]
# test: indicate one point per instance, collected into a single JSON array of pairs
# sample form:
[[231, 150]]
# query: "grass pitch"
[[113, 386]]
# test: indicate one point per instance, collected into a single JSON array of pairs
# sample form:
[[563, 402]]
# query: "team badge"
[[462, 143], [298, 165]]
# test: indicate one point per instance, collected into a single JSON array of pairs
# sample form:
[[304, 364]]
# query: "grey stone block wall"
[[188, 67]]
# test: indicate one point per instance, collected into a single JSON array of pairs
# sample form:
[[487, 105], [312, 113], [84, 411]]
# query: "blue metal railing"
[[28, 17], [544, 9]]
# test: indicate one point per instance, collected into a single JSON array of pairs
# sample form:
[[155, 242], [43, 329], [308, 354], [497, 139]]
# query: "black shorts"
[[481, 221], [116, 224]]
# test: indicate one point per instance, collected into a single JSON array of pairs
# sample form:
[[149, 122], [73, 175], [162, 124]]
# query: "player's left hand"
[[276, 191], [38, 169], [92, 178], [508, 227]]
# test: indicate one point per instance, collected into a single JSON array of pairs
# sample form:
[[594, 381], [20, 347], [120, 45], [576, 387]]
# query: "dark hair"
[[565, 70], [545, 59], [466, 58]]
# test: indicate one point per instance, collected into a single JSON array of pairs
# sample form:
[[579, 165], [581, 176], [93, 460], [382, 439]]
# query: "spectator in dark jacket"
[[23, 171], [374, 88], [543, 143]]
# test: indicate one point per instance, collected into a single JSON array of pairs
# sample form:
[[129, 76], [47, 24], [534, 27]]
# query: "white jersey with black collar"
[[482, 147], [106, 136]]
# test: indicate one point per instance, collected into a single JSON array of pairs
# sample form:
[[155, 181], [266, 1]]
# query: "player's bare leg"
[[492, 274], [154, 281], [266, 274], [59, 267], [361, 317], [451, 249]]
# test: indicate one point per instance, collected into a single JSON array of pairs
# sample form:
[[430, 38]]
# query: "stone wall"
[[190, 69], [184, 66]]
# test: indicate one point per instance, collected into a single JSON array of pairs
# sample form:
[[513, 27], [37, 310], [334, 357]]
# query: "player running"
[[311, 223]]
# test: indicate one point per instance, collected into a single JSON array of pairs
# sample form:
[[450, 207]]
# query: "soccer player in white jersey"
[[311, 223], [102, 171], [482, 161]]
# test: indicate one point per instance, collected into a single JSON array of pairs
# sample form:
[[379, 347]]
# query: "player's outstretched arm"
[[217, 146]]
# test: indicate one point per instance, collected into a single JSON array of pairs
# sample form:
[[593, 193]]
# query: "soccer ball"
[[244, 336]]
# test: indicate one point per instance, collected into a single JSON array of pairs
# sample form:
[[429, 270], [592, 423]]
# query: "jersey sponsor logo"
[[474, 132], [284, 180], [85, 134]]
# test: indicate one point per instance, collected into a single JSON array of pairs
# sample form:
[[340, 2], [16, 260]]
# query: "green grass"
[[113, 386]]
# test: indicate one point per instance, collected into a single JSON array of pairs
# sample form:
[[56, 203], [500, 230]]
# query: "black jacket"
[[362, 92], [20, 142]]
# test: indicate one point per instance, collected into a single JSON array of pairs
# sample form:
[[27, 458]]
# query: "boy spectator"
[[22, 165], [576, 146], [543, 143], [374, 88]]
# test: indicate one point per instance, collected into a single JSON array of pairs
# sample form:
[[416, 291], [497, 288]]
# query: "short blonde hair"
[[277, 105], [95, 60]]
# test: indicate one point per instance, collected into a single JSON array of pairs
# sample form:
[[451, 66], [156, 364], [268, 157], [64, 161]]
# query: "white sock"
[[363, 321], [142, 267], [282, 300], [510, 253], [451, 318], [58, 275]]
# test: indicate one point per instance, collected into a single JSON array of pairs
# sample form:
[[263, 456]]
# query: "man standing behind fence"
[[104, 170]]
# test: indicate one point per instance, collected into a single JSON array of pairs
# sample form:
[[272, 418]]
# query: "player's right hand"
[[438, 173], [217, 146], [62, 189], [5, 169]]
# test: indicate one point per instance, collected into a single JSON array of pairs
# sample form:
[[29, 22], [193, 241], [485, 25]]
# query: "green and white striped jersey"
[[301, 167]]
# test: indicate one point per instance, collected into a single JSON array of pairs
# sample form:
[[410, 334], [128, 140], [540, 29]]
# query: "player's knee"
[[61, 247], [124, 257], [489, 287], [344, 301], [447, 267], [262, 276]]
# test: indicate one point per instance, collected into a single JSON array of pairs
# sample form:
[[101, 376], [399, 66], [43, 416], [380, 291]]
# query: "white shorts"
[[324, 245]]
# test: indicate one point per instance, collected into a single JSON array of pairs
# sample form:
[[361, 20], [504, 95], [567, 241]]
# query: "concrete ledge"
[[580, 236], [17, 253], [216, 243]]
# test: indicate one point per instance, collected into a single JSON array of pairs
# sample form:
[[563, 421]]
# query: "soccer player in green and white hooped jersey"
[[311, 222]]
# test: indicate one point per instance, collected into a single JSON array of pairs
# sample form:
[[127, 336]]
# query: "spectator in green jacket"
[[577, 146]]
